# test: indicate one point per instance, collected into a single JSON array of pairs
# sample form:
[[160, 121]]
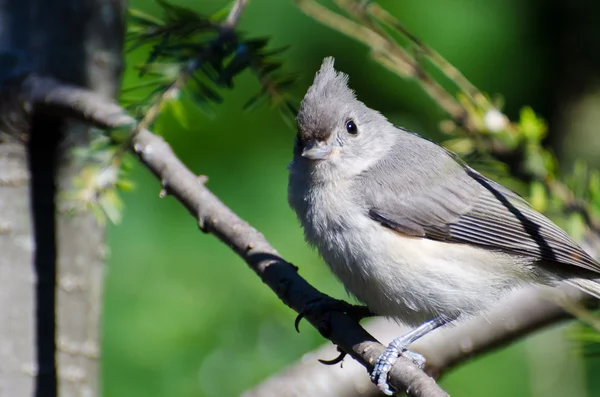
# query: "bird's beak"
[[316, 150]]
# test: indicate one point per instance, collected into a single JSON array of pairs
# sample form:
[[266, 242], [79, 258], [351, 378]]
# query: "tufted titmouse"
[[409, 229]]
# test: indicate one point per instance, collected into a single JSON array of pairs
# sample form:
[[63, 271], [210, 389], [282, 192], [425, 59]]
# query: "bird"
[[408, 227]]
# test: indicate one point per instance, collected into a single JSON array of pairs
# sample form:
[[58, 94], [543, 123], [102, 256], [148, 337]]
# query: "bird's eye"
[[351, 127]]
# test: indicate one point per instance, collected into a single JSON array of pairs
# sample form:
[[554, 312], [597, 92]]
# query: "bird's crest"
[[329, 83], [325, 97]]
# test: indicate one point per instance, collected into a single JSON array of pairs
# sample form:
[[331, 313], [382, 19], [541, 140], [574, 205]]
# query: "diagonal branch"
[[521, 313], [51, 97], [387, 52], [470, 113], [235, 13], [524, 312]]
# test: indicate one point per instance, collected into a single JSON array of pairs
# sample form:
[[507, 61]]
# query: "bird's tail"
[[587, 285]]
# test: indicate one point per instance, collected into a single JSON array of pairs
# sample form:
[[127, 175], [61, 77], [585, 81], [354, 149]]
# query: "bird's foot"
[[386, 360], [398, 347], [328, 304]]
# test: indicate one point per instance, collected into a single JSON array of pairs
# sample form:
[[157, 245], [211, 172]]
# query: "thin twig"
[[173, 90], [170, 93], [192, 65], [386, 51], [235, 13], [390, 55], [442, 64]]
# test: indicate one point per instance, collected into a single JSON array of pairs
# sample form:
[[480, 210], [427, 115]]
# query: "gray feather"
[[329, 88], [459, 240], [448, 201]]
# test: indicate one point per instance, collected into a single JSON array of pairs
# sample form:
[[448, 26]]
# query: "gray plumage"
[[452, 202], [405, 225]]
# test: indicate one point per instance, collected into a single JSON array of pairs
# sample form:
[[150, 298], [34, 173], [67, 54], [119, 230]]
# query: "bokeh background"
[[186, 317]]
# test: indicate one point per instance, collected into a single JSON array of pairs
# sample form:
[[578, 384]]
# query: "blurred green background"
[[186, 317]]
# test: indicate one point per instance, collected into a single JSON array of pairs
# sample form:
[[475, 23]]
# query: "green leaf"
[[534, 161], [461, 146], [183, 37], [269, 67], [144, 84], [254, 45], [141, 18], [538, 196], [220, 14], [178, 13], [275, 51], [203, 93], [550, 162], [532, 127], [177, 109], [111, 204], [594, 189], [576, 226], [126, 185], [255, 101], [580, 178], [99, 214], [291, 108], [122, 133]]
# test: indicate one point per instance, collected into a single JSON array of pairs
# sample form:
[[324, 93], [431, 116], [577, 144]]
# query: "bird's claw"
[[326, 304], [416, 358], [299, 318], [386, 360], [336, 360]]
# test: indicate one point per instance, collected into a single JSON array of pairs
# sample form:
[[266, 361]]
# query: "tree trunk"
[[50, 260]]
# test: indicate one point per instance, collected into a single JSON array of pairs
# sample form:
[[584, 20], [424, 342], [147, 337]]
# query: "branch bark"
[[235, 13], [48, 96], [525, 311], [521, 313]]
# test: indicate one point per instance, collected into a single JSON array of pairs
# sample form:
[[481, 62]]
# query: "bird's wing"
[[459, 205]]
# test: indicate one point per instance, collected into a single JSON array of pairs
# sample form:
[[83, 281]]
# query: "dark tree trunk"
[[50, 260]]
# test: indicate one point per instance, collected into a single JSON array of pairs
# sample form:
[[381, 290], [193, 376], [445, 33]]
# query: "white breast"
[[411, 279]]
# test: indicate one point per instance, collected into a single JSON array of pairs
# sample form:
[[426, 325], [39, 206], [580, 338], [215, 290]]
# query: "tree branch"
[[48, 96], [521, 313], [387, 52], [235, 13], [468, 113]]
